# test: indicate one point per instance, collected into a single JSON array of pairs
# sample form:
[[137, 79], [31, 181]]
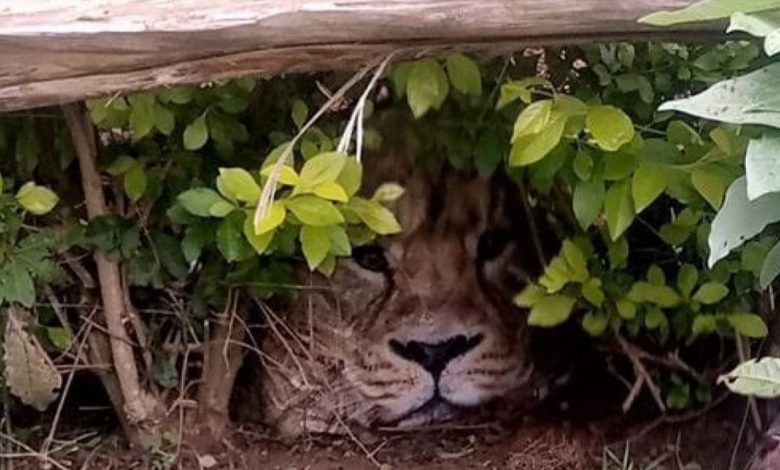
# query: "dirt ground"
[[704, 441]]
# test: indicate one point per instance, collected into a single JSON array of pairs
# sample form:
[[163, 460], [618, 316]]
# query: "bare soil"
[[705, 440]]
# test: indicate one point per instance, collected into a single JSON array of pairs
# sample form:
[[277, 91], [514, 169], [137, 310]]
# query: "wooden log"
[[58, 51]]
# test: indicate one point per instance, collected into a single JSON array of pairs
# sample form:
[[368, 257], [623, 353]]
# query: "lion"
[[417, 328]]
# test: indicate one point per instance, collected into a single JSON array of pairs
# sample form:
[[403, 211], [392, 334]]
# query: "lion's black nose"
[[434, 357]]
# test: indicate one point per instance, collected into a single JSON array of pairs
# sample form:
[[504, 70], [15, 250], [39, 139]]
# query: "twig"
[[743, 355], [53, 430], [139, 406], [640, 371], [32, 452]]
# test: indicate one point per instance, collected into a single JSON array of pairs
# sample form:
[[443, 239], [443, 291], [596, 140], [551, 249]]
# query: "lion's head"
[[414, 327]]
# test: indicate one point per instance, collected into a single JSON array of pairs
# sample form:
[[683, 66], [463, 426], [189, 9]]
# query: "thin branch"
[[139, 406]]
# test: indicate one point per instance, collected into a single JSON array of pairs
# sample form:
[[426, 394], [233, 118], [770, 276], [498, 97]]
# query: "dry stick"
[[640, 371], [138, 405], [267, 196], [66, 389], [743, 355]]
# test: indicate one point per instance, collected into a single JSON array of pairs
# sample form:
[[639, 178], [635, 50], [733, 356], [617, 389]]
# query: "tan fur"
[[328, 362]]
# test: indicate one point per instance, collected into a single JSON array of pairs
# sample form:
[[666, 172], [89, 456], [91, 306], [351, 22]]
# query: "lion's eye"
[[492, 243], [371, 257]]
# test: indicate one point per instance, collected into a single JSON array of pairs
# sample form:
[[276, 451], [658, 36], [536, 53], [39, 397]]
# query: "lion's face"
[[414, 327]]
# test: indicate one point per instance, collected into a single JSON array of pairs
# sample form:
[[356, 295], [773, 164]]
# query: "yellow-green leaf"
[[238, 184], [532, 119], [287, 175], [38, 200], [377, 217], [609, 126], [531, 148], [274, 217], [331, 190], [315, 244], [312, 210], [321, 169], [551, 310], [388, 192], [259, 242]]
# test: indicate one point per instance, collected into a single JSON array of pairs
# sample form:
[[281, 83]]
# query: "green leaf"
[[339, 241], [771, 266], [748, 324], [687, 278], [662, 296], [141, 119], [16, 285], [351, 176], [626, 309], [59, 337], [323, 168], [425, 88], [740, 219], [587, 200], [198, 201], [551, 310], [315, 244], [531, 148], [762, 165], [164, 119], [711, 293], [196, 133], [595, 323], [704, 324], [609, 126], [237, 183], [655, 275], [464, 75], [377, 217], [758, 378], [260, 242], [299, 113], [707, 10], [195, 238], [135, 182], [331, 190], [710, 185], [312, 210], [529, 296], [533, 119], [619, 208], [647, 183], [747, 99], [38, 200], [230, 238], [592, 291], [121, 165], [388, 192], [655, 318], [221, 209], [583, 165], [519, 89]]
